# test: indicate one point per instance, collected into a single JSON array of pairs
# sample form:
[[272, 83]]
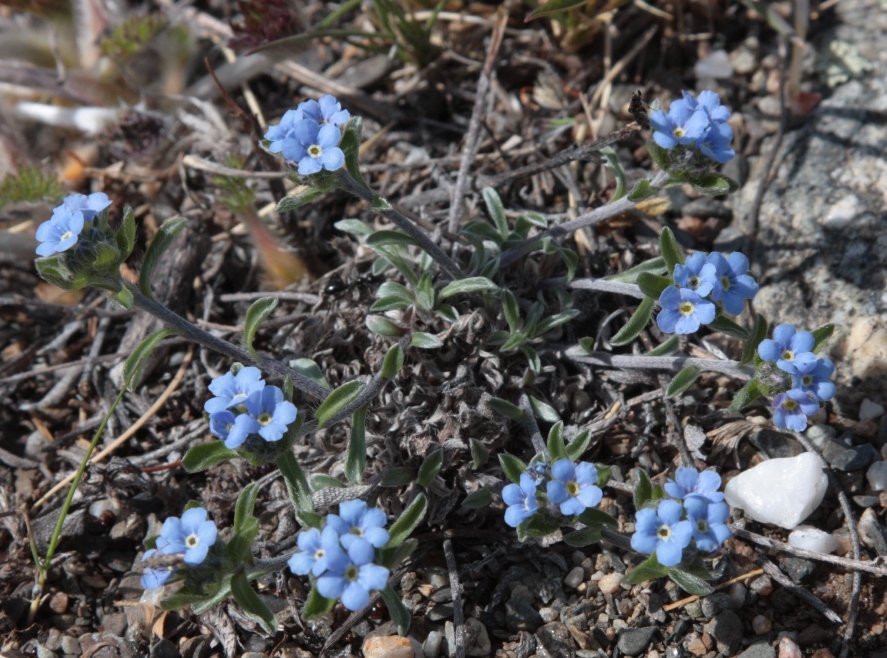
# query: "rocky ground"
[[810, 213]]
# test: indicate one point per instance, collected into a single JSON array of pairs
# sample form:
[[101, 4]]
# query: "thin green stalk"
[[43, 566], [296, 482]]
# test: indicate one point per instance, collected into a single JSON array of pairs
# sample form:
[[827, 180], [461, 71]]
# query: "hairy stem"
[[674, 363], [201, 337], [629, 289], [405, 224]]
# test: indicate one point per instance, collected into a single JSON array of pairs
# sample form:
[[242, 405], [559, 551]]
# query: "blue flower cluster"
[[723, 279], [245, 406], [695, 123], [61, 231], [569, 489], [806, 377], [697, 514], [310, 135], [192, 536], [340, 557]]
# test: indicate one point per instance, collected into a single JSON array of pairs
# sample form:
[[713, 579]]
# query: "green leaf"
[[584, 537], [54, 270], [595, 518], [338, 400], [123, 298], [669, 347], [479, 453], [425, 341], [556, 447], [446, 312], [512, 466], [652, 285], [649, 569], [392, 556], [555, 320], [497, 212], [311, 370], [386, 304], [682, 381], [394, 289], [393, 362], [477, 499], [246, 503], [380, 205], [643, 489], [412, 516], [613, 163], [727, 326], [511, 310], [671, 251], [398, 611], [505, 408], [354, 227], [577, 447], [258, 312], [465, 286], [553, 7], [105, 255], [714, 184], [356, 458], [389, 238], [251, 604], [296, 483], [746, 395], [316, 605], [758, 334], [430, 468], [544, 411], [299, 199], [351, 146], [532, 358], [163, 238], [425, 293], [482, 231], [310, 519], [822, 334], [239, 547], [636, 323], [384, 327], [136, 361], [642, 190], [126, 234], [658, 154], [653, 266], [690, 583], [514, 342], [398, 476], [538, 525]]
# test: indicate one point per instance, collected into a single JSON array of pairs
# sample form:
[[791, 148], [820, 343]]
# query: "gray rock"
[[706, 207], [43, 652], [555, 638], [439, 613], [165, 649], [694, 609], [431, 647], [872, 533], [575, 577], [730, 240], [758, 650], [796, 568], [716, 603], [114, 623], [866, 501], [855, 458], [726, 629], [877, 476], [71, 645], [775, 444], [442, 595], [819, 435], [812, 272], [633, 641], [522, 616]]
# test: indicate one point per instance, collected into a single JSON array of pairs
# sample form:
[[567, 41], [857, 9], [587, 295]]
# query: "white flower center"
[[351, 573], [315, 151], [572, 487], [789, 405], [806, 380], [788, 355], [693, 282], [355, 530], [65, 236], [687, 308], [264, 419], [702, 525], [678, 132], [192, 540], [664, 532], [319, 553]]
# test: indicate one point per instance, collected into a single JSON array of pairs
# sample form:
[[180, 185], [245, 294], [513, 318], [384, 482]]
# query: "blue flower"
[[816, 382], [790, 349], [682, 125], [233, 430], [683, 311], [88, 206], [537, 470], [521, 500], [318, 549], [710, 103], [325, 110], [709, 522], [661, 531], [792, 409], [192, 535], [734, 284], [60, 232], [233, 390], [353, 576], [281, 136], [313, 146], [357, 522], [715, 142], [696, 275], [155, 576], [272, 413], [690, 482], [573, 486]]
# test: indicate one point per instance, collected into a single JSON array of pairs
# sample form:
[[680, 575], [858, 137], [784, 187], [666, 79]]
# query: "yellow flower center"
[[572, 487], [806, 380], [725, 283], [664, 532], [351, 573], [65, 236], [315, 151], [789, 405], [788, 355], [687, 308], [264, 419], [192, 540], [679, 132]]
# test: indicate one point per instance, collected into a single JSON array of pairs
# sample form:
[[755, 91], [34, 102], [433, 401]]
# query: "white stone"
[[783, 492], [717, 65], [877, 476], [869, 410], [812, 539], [842, 212]]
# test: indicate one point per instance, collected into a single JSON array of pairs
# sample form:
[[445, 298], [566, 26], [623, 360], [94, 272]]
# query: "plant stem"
[[201, 337], [296, 482], [629, 289], [588, 219], [656, 362], [404, 223]]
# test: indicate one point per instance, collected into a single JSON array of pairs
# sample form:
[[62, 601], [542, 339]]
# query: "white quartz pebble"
[[783, 492], [876, 475], [812, 539]]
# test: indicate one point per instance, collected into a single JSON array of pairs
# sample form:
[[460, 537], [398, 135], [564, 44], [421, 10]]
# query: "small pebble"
[[575, 577], [548, 614], [58, 603], [877, 476], [717, 65], [697, 647], [812, 539], [788, 649], [431, 648], [761, 625], [609, 584], [737, 594], [387, 646], [823, 653], [869, 410]]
